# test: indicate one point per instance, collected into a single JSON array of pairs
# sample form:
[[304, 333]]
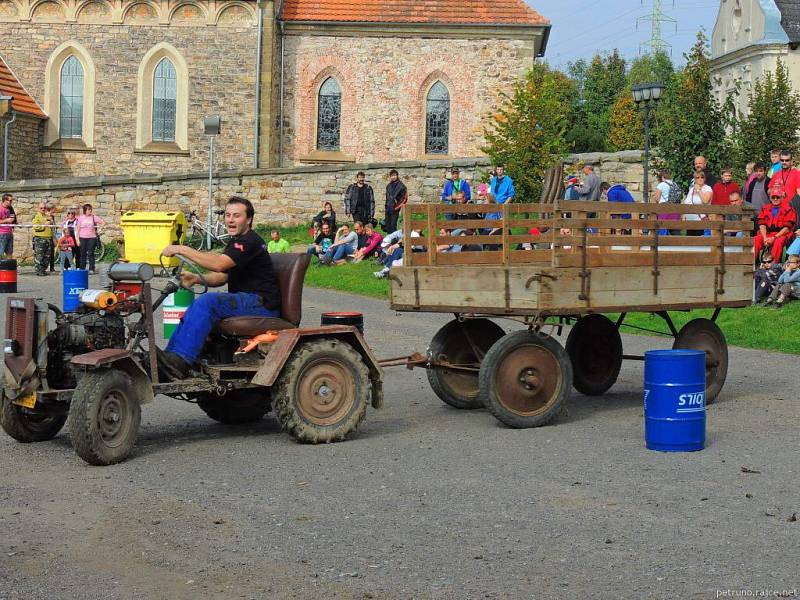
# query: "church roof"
[[22, 101], [790, 18], [461, 12]]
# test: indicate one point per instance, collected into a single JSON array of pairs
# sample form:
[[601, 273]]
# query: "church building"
[[749, 38], [120, 87]]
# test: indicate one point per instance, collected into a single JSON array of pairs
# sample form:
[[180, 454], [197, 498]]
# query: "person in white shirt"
[[698, 195]]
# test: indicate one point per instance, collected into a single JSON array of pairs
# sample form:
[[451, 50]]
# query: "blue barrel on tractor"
[[75, 281], [674, 400]]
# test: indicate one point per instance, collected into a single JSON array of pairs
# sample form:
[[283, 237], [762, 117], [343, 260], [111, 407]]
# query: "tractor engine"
[[78, 334]]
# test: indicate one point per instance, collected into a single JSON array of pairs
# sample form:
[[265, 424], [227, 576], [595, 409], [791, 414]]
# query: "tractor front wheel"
[[104, 417]]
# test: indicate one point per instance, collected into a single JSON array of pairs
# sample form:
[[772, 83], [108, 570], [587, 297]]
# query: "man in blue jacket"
[[502, 186], [454, 185]]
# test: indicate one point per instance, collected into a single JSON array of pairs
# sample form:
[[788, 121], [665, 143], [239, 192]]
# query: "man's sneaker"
[[769, 301], [381, 274]]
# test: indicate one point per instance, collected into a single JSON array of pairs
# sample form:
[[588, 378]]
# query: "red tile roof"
[[462, 12], [22, 101]]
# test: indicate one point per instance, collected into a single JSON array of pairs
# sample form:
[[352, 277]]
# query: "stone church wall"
[[287, 196], [384, 82], [221, 81], [24, 140]]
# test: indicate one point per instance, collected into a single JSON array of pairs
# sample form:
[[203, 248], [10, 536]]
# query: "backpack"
[[675, 194]]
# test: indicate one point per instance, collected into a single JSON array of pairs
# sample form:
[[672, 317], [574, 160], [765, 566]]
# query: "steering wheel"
[[191, 266]]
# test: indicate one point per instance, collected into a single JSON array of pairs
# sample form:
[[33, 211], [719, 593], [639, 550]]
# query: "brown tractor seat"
[[291, 272]]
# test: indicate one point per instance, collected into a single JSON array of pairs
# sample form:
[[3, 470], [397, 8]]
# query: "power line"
[[657, 18]]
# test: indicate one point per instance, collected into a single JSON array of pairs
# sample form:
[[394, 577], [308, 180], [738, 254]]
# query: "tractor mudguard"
[[117, 358], [289, 338]]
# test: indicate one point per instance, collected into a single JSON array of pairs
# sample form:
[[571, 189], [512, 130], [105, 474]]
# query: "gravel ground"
[[425, 502]]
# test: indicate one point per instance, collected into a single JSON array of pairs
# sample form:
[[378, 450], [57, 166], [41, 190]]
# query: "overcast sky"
[[581, 27]]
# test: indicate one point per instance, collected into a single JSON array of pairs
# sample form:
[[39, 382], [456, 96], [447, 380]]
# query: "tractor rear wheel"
[[236, 407], [322, 392], [104, 417]]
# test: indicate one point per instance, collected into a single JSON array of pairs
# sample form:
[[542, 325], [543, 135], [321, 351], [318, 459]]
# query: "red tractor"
[[98, 366]]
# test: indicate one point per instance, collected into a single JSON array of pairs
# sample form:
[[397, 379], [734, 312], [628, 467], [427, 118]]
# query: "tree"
[[597, 84], [773, 118], [690, 120], [626, 131], [528, 133], [626, 125]]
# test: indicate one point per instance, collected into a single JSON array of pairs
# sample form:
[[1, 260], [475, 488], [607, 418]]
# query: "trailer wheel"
[[525, 379], [104, 417], [237, 406], [323, 391], [595, 349], [461, 343], [703, 334], [26, 425]]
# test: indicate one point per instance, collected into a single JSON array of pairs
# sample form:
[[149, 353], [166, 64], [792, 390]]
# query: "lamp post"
[[211, 126], [646, 96], [5, 108]]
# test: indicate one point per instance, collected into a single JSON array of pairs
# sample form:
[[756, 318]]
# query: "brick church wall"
[[24, 140], [221, 63], [384, 81]]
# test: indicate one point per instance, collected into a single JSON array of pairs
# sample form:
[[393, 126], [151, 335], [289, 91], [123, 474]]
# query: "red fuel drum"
[[8, 276]]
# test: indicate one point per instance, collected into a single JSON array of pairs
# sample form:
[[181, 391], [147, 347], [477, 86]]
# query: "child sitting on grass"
[[788, 286]]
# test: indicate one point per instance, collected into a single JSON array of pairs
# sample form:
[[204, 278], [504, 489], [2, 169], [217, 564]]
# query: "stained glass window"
[[165, 93], [437, 119], [329, 115], [71, 107]]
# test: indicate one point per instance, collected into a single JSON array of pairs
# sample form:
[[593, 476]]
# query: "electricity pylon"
[[657, 19]]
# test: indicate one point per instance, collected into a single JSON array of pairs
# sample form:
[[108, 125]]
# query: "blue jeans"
[[209, 309], [338, 253]]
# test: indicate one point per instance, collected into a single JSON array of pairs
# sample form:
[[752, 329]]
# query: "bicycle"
[[197, 235]]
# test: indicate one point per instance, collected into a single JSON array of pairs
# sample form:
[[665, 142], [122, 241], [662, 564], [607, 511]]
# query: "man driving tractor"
[[253, 289]]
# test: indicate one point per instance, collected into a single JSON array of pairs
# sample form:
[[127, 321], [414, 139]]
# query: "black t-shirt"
[[361, 199], [253, 271]]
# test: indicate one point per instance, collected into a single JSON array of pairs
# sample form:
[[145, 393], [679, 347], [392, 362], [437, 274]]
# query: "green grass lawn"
[[352, 278]]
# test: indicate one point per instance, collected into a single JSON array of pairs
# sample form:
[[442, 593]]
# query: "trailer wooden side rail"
[[572, 261]]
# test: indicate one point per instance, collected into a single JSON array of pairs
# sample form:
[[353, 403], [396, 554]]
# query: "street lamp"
[[211, 126], [646, 96]]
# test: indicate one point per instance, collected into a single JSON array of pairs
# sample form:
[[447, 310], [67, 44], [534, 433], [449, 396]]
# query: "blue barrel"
[[75, 281], [675, 400]]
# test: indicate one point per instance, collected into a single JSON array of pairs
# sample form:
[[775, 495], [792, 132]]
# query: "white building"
[[749, 37]]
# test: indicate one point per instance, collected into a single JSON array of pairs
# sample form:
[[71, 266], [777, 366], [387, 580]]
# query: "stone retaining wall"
[[281, 196]]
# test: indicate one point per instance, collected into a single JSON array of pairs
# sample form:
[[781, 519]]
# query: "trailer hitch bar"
[[417, 360]]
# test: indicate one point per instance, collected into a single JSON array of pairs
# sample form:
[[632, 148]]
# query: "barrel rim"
[[674, 354]]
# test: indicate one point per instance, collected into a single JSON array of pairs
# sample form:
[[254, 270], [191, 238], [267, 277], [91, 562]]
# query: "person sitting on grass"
[[326, 215], [766, 277], [322, 242], [372, 241], [276, 245], [776, 225], [344, 244], [788, 286], [391, 251]]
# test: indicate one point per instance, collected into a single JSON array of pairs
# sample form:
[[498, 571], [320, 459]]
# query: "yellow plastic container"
[[148, 233]]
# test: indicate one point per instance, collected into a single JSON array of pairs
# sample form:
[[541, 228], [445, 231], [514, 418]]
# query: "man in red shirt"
[[723, 188], [787, 180], [776, 224]]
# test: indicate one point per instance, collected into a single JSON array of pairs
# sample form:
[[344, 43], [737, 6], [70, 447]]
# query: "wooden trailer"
[[588, 259]]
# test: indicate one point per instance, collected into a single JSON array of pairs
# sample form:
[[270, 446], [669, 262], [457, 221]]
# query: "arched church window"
[[437, 119], [71, 99], [329, 115], [165, 95]]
